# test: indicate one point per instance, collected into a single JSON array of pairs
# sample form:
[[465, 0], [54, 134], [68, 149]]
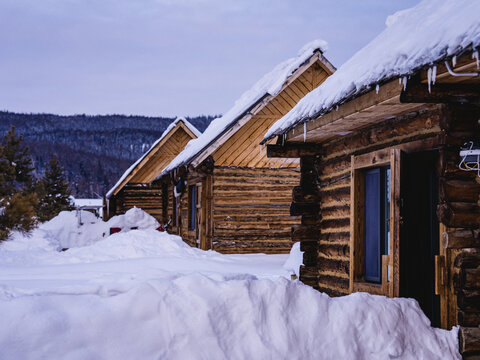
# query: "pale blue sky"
[[164, 57]]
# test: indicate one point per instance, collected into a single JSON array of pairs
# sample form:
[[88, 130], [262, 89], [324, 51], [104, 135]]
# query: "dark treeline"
[[93, 150]]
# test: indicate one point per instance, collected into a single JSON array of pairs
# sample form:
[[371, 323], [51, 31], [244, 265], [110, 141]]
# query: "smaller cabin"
[[387, 205], [135, 188], [222, 191]]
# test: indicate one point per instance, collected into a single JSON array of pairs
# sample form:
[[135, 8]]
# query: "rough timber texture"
[[332, 169], [251, 209], [458, 210], [146, 197]]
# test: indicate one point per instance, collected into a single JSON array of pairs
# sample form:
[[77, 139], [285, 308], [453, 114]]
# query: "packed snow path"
[[143, 294]]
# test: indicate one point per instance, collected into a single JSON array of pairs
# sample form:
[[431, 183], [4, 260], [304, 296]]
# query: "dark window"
[[191, 206], [377, 214]]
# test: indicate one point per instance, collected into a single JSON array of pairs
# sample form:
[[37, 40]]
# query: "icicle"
[[377, 88], [404, 83], [293, 131], [336, 108], [304, 132], [434, 74], [400, 81], [454, 61], [475, 56], [429, 78]]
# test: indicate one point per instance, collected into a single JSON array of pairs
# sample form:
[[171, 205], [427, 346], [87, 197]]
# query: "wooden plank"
[[292, 150], [416, 92]]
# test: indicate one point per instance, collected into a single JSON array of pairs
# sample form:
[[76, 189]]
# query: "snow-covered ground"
[[143, 294]]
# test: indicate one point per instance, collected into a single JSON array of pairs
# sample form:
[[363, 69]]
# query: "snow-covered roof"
[[169, 128], [413, 39], [270, 84], [87, 202]]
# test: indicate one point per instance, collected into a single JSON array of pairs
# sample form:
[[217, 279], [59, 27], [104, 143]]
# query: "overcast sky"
[[164, 57]]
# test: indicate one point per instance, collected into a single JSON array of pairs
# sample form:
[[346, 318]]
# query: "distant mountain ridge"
[[93, 150]]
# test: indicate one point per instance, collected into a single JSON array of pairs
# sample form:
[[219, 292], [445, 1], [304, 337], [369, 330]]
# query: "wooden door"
[[419, 237]]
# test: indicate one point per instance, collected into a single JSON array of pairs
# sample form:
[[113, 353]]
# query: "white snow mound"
[[197, 317]]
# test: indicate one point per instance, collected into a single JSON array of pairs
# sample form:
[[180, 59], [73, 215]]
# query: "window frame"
[[389, 284]]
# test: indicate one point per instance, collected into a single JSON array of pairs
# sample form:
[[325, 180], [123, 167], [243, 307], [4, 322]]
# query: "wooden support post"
[[306, 203]]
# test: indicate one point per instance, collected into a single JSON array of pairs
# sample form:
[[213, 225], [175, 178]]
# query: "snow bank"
[[413, 38], [197, 317], [169, 128], [144, 294], [295, 260], [270, 84], [64, 231]]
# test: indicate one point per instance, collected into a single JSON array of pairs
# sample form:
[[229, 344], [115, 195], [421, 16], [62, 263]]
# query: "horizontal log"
[[470, 278], [459, 190], [337, 211], [458, 239], [310, 258], [308, 272], [468, 259], [309, 246], [266, 238], [393, 131], [461, 116], [335, 223], [300, 194], [459, 214], [333, 281], [292, 150], [297, 209], [305, 233], [468, 318], [469, 300], [333, 250], [339, 266], [335, 236], [417, 92], [310, 219], [255, 174], [469, 339], [331, 292], [307, 163]]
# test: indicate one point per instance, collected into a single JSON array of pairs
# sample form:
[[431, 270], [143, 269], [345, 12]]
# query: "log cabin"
[[229, 196], [385, 205], [135, 188]]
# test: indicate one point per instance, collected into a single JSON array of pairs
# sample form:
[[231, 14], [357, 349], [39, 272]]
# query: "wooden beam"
[[469, 339], [292, 150], [458, 239], [416, 92]]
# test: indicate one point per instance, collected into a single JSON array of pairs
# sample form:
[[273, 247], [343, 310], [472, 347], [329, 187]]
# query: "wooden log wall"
[[145, 197], [332, 169], [459, 211], [251, 209]]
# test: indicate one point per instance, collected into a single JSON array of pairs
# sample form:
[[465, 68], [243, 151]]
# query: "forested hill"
[[93, 150]]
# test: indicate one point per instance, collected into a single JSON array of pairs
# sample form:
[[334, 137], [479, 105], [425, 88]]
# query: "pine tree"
[[53, 191], [17, 198]]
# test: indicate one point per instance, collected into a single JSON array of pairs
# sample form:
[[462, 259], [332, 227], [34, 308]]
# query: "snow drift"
[[197, 317], [143, 294]]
